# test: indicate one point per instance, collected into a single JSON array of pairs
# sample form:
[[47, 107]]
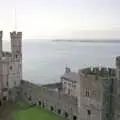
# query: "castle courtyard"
[[21, 111]]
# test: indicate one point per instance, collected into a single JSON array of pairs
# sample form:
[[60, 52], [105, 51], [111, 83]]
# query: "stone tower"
[[16, 62], [95, 90], [1, 43], [118, 75], [16, 48], [16, 41], [116, 95]]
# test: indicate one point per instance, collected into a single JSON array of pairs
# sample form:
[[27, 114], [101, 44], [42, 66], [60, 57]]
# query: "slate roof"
[[71, 76]]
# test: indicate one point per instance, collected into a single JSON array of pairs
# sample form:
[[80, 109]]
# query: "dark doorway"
[[66, 114], [29, 98], [59, 111], [16, 56], [0, 103], [51, 108], [4, 98], [74, 117], [89, 112], [39, 103]]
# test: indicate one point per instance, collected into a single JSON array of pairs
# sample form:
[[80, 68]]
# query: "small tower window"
[[29, 98], [14, 83], [87, 92], [7, 83], [10, 67], [16, 56]]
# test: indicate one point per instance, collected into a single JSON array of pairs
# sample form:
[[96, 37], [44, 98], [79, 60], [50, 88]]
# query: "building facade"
[[10, 65], [116, 95], [69, 82], [95, 90], [90, 94]]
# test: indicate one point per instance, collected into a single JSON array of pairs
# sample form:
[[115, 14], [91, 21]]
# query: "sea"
[[45, 61]]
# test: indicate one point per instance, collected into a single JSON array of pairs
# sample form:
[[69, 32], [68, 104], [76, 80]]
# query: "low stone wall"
[[57, 102]]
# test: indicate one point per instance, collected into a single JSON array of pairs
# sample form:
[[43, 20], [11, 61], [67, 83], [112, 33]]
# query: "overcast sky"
[[71, 19]]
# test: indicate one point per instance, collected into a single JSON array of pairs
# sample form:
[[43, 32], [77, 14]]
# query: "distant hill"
[[95, 41], [53, 85]]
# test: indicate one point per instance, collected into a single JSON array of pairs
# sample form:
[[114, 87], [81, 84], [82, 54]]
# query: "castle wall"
[[116, 97], [90, 105], [3, 80], [57, 102], [10, 65], [95, 93], [14, 74]]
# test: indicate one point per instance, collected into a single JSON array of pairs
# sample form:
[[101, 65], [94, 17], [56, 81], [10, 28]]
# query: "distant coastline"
[[94, 41]]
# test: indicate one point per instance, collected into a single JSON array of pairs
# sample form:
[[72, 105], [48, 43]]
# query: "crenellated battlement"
[[99, 71], [14, 34]]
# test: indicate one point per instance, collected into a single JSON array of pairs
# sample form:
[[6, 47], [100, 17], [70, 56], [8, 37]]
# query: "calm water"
[[44, 62]]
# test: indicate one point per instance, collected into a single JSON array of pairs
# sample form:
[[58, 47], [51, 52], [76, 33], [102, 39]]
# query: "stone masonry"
[[10, 65], [97, 90]]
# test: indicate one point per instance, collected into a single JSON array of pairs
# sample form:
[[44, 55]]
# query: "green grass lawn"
[[34, 113], [22, 105]]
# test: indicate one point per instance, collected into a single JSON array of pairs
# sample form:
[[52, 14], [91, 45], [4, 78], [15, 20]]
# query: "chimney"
[[67, 70]]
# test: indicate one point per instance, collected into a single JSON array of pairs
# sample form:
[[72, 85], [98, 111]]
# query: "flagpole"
[[15, 19]]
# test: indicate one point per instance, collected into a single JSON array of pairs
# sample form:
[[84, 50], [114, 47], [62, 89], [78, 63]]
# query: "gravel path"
[[6, 111]]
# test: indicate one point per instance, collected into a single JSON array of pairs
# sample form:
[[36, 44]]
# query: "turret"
[[67, 70], [16, 48], [16, 41]]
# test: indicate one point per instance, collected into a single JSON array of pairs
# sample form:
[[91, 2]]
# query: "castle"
[[89, 94], [10, 65]]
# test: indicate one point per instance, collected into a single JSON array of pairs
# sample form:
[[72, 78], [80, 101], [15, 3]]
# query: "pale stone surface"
[[95, 97], [91, 93], [69, 82], [10, 64]]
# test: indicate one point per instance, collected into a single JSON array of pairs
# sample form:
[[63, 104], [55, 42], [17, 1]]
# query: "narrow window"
[[4, 98], [87, 92], [10, 67], [89, 112], [66, 114], [14, 83], [107, 115], [7, 83], [16, 56], [59, 111], [51, 108], [69, 92]]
